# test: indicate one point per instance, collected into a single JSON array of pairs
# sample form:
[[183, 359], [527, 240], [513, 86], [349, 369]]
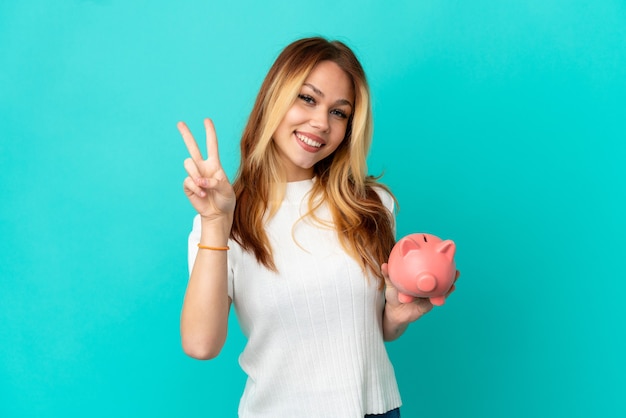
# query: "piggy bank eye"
[[425, 240]]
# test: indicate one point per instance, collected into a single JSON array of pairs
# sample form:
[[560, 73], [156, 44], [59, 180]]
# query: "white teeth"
[[308, 141]]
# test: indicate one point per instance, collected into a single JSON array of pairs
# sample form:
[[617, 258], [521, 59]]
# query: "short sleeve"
[[388, 201]]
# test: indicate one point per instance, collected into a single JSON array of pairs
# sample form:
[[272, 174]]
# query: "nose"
[[426, 282], [319, 120]]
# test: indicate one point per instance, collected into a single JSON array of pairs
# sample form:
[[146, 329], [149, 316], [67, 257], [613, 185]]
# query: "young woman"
[[298, 243]]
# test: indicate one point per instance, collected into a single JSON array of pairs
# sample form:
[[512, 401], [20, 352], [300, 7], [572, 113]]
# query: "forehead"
[[331, 80]]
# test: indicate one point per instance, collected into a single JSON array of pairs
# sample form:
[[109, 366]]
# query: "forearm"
[[204, 318], [398, 316], [393, 328]]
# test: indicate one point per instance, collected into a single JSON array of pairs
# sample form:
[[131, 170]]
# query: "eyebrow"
[[319, 93]]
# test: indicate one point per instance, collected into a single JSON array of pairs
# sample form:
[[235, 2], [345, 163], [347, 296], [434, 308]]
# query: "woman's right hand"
[[207, 185]]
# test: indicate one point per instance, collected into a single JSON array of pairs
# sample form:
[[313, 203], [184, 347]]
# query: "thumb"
[[391, 293], [384, 268]]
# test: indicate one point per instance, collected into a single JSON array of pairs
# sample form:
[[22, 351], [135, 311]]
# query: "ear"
[[407, 245], [448, 248]]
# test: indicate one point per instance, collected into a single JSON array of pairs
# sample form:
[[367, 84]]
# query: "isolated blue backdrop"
[[499, 124]]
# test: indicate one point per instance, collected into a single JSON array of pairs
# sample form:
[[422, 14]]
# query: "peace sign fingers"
[[207, 185], [190, 143], [210, 167]]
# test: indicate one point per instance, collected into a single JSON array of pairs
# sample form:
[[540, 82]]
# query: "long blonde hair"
[[363, 224]]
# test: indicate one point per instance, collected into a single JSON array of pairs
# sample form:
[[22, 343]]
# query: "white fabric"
[[315, 345]]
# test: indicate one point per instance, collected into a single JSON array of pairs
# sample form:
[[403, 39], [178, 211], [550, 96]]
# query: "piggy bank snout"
[[426, 282]]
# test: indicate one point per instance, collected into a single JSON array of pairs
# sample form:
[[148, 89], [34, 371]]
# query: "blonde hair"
[[363, 224]]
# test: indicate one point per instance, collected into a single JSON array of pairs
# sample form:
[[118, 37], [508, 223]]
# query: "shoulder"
[[385, 196]]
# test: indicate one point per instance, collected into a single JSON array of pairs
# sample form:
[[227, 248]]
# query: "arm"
[[204, 317]]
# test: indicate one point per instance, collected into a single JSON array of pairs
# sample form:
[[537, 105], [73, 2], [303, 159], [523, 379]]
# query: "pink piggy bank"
[[422, 266]]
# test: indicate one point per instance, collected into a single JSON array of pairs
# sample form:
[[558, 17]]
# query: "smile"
[[308, 140]]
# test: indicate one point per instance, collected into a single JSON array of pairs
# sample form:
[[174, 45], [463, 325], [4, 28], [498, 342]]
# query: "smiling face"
[[316, 123]]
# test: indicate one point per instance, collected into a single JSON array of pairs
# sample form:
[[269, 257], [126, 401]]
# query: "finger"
[[452, 289], [211, 140], [192, 169], [390, 289], [384, 268], [190, 142], [191, 188], [423, 305]]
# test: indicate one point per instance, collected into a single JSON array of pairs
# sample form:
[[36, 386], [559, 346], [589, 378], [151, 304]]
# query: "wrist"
[[215, 232], [394, 318], [401, 315]]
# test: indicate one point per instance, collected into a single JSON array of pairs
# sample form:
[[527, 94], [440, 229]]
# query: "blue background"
[[499, 124]]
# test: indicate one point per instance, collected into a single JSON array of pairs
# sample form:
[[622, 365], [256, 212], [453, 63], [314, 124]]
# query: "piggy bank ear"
[[448, 248], [407, 245]]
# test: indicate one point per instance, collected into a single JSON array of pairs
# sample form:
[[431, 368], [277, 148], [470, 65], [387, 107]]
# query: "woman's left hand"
[[405, 313]]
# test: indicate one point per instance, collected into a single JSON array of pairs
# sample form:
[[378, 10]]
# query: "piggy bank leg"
[[438, 301], [404, 298]]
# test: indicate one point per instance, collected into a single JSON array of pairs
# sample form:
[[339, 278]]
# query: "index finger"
[[190, 142]]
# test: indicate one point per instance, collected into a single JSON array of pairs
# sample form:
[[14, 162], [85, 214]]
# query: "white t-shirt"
[[315, 346]]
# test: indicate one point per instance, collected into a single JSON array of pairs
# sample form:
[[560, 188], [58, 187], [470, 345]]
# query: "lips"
[[310, 140]]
